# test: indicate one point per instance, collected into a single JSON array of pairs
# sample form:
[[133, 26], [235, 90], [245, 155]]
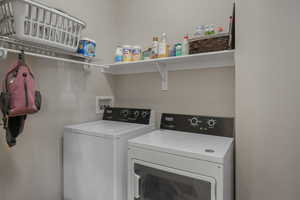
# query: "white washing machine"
[[189, 158], [95, 154]]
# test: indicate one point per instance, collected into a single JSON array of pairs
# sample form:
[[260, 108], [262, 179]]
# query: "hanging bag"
[[18, 98]]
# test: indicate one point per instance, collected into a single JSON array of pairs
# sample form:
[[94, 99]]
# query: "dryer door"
[[155, 182]]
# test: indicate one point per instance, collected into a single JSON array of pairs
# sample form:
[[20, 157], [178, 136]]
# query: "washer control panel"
[[198, 124], [131, 115]]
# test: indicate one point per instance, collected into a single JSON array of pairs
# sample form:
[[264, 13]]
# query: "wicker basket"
[[211, 43]]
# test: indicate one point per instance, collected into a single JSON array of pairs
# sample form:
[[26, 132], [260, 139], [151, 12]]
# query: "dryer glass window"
[[156, 184]]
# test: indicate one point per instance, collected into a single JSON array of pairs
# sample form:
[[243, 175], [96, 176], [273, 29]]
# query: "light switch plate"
[[102, 102]]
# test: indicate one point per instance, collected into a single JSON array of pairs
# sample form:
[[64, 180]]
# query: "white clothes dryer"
[[189, 158]]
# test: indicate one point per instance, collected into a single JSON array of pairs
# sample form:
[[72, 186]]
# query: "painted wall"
[[140, 20], [32, 169], [203, 91], [268, 100]]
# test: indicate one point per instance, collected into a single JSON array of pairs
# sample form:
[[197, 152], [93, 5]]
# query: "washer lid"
[[199, 146], [104, 128]]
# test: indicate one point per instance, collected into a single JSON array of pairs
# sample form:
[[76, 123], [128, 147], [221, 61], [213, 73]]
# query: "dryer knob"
[[211, 122], [125, 113], [136, 113], [144, 114], [194, 121]]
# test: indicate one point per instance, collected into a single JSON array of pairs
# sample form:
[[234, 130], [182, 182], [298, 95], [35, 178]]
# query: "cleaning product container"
[[127, 53], [31, 21], [87, 47], [136, 53]]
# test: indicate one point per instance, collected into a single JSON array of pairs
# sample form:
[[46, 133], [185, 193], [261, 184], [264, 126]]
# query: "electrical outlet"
[[102, 102]]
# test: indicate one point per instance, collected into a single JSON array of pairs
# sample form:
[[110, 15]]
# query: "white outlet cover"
[[102, 102]]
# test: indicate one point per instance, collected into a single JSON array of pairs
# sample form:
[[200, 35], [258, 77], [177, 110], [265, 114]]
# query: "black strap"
[[4, 120], [22, 57]]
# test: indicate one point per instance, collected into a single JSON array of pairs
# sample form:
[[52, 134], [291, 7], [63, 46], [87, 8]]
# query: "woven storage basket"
[[203, 44]]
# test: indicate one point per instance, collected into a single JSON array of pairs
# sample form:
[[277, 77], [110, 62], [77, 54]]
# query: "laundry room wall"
[[202, 91], [33, 169], [267, 100]]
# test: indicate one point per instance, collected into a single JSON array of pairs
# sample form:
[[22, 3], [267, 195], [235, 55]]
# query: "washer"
[[95, 154], [190, 157]]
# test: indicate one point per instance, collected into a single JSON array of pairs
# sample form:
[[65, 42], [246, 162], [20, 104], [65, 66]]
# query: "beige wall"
[[140, 20], [204, 91], [32, 169], [268, 100]]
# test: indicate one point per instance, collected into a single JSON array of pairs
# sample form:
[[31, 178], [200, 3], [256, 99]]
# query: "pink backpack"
[[19, 98]]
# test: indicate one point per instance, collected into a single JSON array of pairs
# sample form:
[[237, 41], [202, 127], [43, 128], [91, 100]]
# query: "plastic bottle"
[[220, 29], [119, 54], [147, 53], [207, 30], [162, 52], [127, 53], [212, 29], [178, 49], [172, 51], [136, 53], [168, 50], [155, 48], [200, 31], [185, 45]]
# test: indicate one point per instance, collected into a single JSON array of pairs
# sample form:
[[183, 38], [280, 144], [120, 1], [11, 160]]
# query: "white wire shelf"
[[15, 46], [164, 65]]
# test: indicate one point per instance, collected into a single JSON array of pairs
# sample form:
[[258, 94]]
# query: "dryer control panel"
[[130, 115], [198, 124]]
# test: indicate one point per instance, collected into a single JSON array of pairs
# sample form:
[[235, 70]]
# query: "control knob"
[[211, 122], [136, 113], [194, 121], [144, 114], [125, 113]]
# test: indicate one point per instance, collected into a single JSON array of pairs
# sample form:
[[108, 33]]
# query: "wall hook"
[[22, 57], [3, 54]]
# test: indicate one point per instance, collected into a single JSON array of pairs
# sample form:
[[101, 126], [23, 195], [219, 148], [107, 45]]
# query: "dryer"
[[190, 157], [95, 154]]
